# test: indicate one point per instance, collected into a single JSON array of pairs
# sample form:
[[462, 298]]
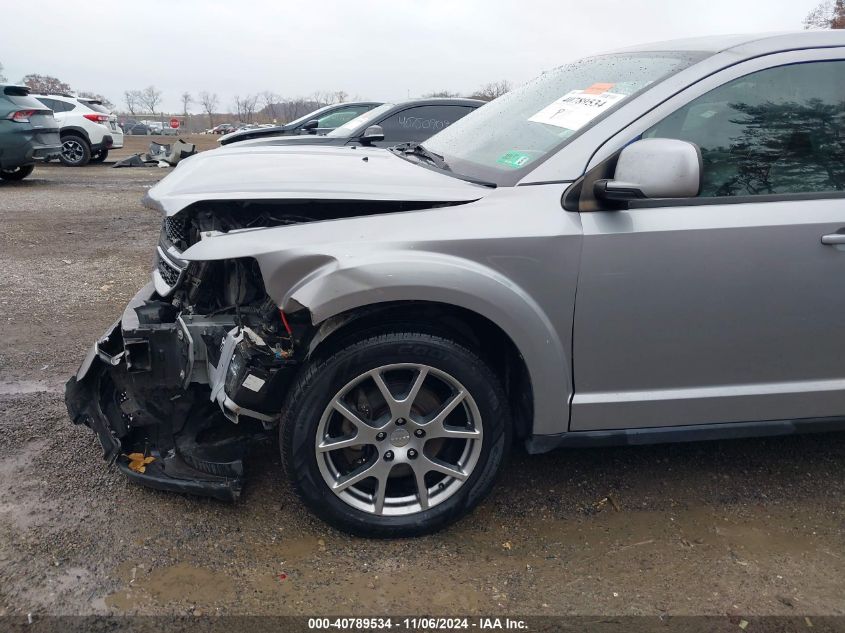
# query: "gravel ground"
[[751, 526]]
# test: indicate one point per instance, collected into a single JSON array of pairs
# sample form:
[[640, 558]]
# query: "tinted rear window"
[[96, 107], [26, 102]]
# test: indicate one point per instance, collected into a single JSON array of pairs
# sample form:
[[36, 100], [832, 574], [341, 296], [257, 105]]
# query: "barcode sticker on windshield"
[[576, 108]]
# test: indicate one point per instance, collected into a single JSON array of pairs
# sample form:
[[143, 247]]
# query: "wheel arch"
[[465, 327], [75, 131], [466, 295]]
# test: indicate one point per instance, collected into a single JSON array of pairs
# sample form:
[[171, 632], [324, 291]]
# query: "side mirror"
[[310, 126], [654, 168], [371, 135]]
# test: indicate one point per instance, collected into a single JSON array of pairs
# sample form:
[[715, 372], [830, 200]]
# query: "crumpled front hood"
[[304, 172]]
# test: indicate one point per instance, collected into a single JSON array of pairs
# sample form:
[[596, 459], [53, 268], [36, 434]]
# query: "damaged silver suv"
[[638, 247]]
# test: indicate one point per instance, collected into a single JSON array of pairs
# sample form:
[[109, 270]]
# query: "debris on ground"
[[160, 154], [599, 505]]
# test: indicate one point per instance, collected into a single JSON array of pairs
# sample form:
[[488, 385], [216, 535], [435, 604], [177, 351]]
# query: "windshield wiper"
[[416, 149]]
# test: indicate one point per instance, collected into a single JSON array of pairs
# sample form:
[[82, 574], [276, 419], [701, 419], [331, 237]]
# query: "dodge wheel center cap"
[[400, 437]]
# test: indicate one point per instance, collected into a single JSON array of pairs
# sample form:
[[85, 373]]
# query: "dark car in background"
[[28, 133], [389, 124], [223, 128], [320, 121], [136, 128]]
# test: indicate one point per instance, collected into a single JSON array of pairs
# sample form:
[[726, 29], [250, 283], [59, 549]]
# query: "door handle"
[[833, 238]]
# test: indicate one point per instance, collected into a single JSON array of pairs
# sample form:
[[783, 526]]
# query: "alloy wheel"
[[399, 439], [73, 150]]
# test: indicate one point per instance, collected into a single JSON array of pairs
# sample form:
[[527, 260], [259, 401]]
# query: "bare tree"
[[270, 101], [150, 98], [2, 76], [441, 93], [187, 100], [98, 97], [44, 84], [340, 96], [829, 14], [323, 98], [294, 108], [237, 105], [132, 99], [248, 104], [209, 105], [491, 91], [245, 107]]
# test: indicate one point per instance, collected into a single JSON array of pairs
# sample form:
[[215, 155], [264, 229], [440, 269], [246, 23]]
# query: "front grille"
[[176, 232], [169, 273]]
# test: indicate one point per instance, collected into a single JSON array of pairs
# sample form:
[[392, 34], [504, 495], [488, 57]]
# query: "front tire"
[[76, 152], [16, 173], [396, 435]]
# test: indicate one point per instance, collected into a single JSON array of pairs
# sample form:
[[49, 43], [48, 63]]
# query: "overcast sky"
[[374, 49]]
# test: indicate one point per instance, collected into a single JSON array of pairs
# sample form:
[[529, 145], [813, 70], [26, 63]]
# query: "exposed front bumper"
[[140, 390]]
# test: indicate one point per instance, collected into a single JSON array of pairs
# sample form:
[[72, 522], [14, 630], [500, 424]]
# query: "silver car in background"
[[641, 246]]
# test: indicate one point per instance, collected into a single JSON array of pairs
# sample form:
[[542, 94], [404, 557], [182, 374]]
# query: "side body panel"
[[511, 257], [711, 313], [720, 312]]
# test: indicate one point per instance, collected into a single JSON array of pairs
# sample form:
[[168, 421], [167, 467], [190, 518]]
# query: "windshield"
[[510, 135], [347, 129]]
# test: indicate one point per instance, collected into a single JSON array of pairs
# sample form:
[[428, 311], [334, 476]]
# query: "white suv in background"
[[88, 130]]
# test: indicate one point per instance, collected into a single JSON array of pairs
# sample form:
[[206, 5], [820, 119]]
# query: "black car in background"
[[131, 127], [321, 121], [28, 133], [389, 124]]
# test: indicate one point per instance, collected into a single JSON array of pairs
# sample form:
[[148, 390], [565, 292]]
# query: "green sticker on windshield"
[[514, 159]]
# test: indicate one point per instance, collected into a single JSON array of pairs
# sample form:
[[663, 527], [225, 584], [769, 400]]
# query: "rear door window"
[[54, 105]]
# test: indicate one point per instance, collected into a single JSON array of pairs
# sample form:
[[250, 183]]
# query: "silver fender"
[[511, 258], [334, 289]]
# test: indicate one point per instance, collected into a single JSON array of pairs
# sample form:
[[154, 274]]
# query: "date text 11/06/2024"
[[417, 623]]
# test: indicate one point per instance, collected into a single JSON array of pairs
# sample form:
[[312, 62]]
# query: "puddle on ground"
[[178, 583], [379, 592]]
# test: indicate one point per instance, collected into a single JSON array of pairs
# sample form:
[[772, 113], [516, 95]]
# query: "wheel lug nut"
[[381, 435], [388, 456], [400, 421], [419, 433], [412, 453]]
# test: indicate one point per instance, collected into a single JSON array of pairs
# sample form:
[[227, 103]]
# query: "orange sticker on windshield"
[[597, 89]]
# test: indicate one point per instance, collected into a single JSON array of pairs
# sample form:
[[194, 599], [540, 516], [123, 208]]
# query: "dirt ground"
[[750, 526]]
